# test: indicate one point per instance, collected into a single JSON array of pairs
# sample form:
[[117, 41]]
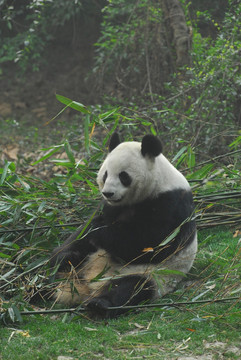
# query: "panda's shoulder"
[[178, 200]]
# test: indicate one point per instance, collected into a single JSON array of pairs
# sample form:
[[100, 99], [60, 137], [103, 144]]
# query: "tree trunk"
[[178, 33]]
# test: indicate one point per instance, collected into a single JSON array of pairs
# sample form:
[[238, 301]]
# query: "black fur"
[[114, 141], [125, 231], [151, 146], [129, 290]]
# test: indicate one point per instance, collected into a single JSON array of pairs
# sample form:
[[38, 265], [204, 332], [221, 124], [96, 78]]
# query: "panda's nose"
[[108, 195]]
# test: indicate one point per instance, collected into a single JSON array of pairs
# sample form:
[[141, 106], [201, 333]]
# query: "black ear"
[[151, 146], [114, 141]]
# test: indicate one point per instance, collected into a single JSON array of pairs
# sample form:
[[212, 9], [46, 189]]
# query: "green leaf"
[[169, 272], [17, 314], [46, 156], [6, 275], [201, 173], [191, 158], [100, 275], [62, 162], [4, 256], [41, 207], [11, 314], [8, 165], [86, 132], [24, 184], [236, 142], [179, 154], [72, 104], [108, 115], [69, 152], [153, 131], [170, 237], [36, 264], [12, 166]]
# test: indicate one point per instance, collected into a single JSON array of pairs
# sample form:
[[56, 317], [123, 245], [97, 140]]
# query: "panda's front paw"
[[64, 259], [99, 306]]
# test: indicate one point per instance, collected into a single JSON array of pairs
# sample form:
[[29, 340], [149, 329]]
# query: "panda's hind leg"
[[128, 290]]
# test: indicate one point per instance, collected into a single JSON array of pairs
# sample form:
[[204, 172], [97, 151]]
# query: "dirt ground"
[[33, 95]]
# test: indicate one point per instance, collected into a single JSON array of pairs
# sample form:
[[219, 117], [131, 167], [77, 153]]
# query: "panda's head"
[[125, 176], [133, 172]]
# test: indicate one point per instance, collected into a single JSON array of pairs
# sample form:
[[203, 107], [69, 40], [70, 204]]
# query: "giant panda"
[[142, 242]]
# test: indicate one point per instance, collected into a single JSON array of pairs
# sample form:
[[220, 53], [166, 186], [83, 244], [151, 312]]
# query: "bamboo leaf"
[[86, 132], [170, 237], [8, 165], [108, 115], [169, 272], [2, 255], [69, 152], [72, 104], [201, 173], [180, 152], [10, 272], [191, 158], [46, 156], [11, 314], [16, 313]]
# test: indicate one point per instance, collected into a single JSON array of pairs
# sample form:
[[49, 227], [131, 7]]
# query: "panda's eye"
[[105, 177], [125, 178]]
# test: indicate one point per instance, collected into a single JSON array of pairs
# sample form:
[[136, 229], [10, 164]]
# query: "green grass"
[[158, 333]]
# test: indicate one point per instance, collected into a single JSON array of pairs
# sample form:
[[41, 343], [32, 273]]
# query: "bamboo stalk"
[[174, 304]]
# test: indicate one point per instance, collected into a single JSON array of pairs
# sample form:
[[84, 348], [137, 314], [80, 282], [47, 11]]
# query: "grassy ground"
[[200, 331]]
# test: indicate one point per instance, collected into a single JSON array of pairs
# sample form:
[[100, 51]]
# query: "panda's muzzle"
[[107, 195]]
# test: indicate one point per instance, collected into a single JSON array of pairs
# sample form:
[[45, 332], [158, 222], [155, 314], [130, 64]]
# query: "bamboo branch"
[[174, 304], [44, 227]]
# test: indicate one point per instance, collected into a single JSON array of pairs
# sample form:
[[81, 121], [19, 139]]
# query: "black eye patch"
[[105, 176], [125, 178]]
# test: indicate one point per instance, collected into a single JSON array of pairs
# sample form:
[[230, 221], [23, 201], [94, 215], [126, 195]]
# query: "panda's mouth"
[[114, 201]]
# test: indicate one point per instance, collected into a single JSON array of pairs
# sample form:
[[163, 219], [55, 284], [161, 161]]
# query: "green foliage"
[[23, 43], [29, 26], [201, 101], [129, 46], [216, 77]]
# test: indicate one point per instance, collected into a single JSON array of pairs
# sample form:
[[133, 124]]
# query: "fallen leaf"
[[149, 249], [90, 329], [12, 152], [236, 233], [139, 326], [20, 332]]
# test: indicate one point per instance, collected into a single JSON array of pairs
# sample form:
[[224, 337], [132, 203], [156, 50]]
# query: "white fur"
[[150, 176]]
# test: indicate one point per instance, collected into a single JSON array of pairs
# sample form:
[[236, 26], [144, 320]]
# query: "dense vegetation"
[[136, 68]]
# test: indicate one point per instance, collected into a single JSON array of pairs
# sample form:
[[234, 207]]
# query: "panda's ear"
[[151, 146], [114, 141]]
